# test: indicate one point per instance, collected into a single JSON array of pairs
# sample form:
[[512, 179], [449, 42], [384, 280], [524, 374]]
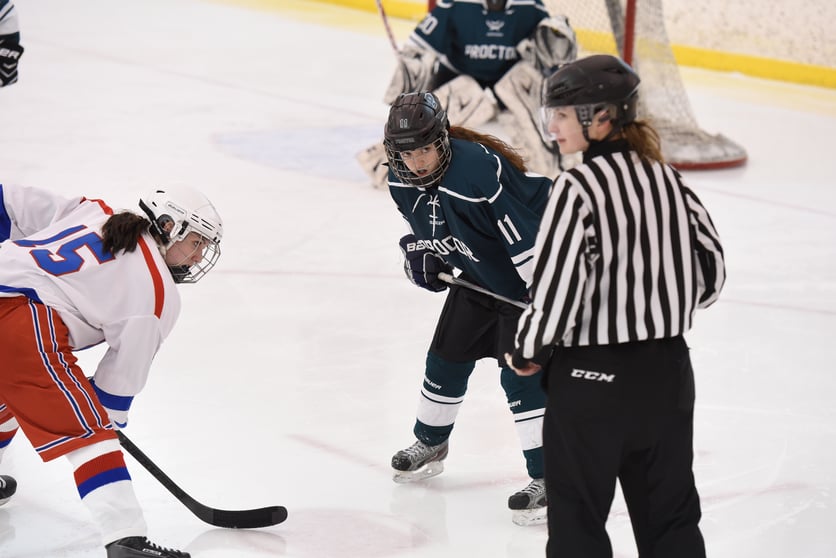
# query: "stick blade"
[[242, 519]]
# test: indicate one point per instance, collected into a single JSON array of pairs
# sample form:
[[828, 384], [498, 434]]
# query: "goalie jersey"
[[482, 218], [472, 41]]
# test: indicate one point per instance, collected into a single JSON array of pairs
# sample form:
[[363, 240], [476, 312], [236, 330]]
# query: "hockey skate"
[[529, 504], [8, 486], [141, 547], [419, 461]]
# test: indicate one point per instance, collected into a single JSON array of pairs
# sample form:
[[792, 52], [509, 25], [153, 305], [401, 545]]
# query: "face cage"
[[442, 146], [193, 273]]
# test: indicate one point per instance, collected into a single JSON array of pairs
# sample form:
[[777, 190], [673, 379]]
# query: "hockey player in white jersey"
[[74, 274], [485, 60]]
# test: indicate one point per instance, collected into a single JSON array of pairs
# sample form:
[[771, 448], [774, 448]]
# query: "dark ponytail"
[[493, 142], [122, 231]]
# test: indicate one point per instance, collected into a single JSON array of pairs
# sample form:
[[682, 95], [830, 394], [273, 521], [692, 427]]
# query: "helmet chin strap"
[[179, 272]]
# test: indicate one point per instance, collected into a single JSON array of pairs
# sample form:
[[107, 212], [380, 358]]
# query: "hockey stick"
[[391, 35], [447, 278], [229, 519], [408, 86]]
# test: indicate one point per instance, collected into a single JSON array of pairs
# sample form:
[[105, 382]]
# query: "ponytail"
[[493, 142], [644, 140], [122, 232]]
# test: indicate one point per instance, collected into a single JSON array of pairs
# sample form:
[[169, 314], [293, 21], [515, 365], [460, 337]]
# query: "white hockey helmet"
[[174, 212]]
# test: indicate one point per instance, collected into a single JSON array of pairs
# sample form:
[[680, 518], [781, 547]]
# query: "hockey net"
[[635, 31]]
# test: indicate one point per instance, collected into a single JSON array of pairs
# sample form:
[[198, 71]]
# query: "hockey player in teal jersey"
[[469, 205], [485, 60]]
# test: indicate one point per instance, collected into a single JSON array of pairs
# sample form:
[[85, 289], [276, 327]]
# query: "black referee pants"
[[621, 412]]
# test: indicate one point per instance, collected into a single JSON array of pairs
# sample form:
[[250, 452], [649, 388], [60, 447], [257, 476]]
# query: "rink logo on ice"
[[593, 376]]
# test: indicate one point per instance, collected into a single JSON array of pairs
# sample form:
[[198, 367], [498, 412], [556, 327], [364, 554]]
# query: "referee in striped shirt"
[[624, 256]]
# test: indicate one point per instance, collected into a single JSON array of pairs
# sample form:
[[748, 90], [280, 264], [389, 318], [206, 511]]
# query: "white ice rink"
[[293, 374]]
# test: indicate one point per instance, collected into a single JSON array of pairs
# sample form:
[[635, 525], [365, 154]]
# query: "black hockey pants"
[[621, 412]]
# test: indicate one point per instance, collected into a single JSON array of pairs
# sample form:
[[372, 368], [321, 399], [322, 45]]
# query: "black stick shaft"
[[230, 519], [447, 278]]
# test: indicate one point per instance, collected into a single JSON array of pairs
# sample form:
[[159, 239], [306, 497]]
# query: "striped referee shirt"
[[625, 252]]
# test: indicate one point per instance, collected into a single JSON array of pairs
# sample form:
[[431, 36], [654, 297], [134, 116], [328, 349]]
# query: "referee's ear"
[[601, 126]]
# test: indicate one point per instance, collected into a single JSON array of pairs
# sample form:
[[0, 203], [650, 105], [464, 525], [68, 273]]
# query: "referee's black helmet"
[[591, 84]]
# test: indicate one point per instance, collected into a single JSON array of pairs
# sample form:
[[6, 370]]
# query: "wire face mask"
[[417, 120], [192, 273], [175, 213]]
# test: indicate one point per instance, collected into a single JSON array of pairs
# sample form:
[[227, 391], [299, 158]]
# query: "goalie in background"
[[74, 274], [468, 203], [485, 60], [10, 47]]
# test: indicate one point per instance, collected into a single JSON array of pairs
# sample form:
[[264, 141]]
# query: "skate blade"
[[525, 518], [429, 470]]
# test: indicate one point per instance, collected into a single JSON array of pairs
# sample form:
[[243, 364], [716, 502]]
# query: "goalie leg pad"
[[467, 104], [519, 90], [372, 160]]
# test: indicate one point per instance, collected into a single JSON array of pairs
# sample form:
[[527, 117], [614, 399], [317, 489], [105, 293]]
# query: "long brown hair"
[[493, 142], [644, 140], [122, 231]]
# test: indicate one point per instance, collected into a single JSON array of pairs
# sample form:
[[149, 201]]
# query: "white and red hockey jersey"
[[54, 256]]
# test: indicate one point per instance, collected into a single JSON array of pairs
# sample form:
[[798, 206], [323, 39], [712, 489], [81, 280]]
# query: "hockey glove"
[[551, 45], [422, 264], [415, 72], [10, 53]]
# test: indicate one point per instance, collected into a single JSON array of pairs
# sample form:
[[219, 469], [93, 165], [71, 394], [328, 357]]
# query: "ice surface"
[[293, 374]]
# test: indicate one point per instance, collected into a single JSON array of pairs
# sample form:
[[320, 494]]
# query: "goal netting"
[[635, 31]]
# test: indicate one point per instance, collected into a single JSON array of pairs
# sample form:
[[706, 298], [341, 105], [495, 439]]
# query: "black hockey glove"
[[422, 264], [10, 53]]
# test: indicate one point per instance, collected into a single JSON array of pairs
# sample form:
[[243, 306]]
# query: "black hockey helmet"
[[592, 84], [417, 120]]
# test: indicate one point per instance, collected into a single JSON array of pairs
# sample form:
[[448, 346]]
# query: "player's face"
[[566, 129], [421, 161], [186, 252]]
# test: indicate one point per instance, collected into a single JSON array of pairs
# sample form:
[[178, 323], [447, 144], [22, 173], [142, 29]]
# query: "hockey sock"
[[105, 488], [8, 428]]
